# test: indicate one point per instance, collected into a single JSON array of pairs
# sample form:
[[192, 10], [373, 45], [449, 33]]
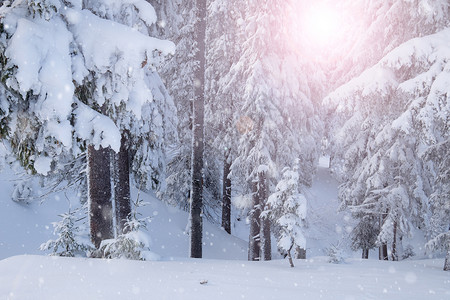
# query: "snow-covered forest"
[[172, 148]]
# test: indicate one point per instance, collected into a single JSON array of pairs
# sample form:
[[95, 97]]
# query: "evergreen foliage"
[[287, 210], [70, 241], [132, 242]]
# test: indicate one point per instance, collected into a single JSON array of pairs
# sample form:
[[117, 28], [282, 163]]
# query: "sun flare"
[[321, 25]]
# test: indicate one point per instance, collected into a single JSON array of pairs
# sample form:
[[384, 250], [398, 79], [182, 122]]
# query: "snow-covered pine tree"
[[384, 26], [394, 99], [364, 234], [36, 123], [87, 72], [275, 107], [69, 241], [287, 209], [145, 130], [224, 38], [177, 25], [417, 19], [439, 154], [119, 75]]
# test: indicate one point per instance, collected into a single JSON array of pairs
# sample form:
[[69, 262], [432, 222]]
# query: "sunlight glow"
[[321, 25]]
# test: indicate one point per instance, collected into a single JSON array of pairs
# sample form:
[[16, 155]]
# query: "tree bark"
[[365, 253], [300, 253], [291, 262], [254, 242], [99, 187], [383, 254], [394, 243], [447, 259], [122, 184], [226, 193], [266, 245], [198, 136]]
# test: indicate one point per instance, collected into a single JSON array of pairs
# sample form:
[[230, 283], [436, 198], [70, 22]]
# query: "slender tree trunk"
[[300, 253], [122, 183], [266, 249], [383, 254], [291, 262], [447, 259], [365, 254], [254, 242], [394, 243], [226, 193], [196, 231], [99, 187]]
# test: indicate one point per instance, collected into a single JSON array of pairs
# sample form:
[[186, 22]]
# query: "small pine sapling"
[[335, 253], [408, 252], [441, 243], [288, 211], [69, 242], [364, 234], [132, 243]]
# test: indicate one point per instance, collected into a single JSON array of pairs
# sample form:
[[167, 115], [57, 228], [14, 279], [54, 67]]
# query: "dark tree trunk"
[[291, 262], [122, 184], [198, 135], [300, 253], [266, 249], [100, 204], [447, 259], [383, 254], [226, 194], [254, 242], [365, 253], [394, 243]]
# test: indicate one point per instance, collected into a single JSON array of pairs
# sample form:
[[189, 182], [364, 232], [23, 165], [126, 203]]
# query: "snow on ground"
[[223, 274], [326, 225], [39, 277], [26, 227], [167, 233]]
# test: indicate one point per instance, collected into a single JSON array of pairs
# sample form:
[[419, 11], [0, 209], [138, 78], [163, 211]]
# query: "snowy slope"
[[25, 227], [39, 277], [167, 233], [326, 225]]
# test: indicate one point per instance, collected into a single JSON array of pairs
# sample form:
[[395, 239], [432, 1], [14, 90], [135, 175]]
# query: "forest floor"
[[27, 273]]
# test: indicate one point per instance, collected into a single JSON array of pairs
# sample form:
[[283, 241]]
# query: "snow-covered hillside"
[[26, 227], [31, 225]]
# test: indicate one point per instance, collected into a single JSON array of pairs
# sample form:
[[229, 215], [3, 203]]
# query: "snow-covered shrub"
[[23, 191], [441, 243], [69, 242], [408, 252], [129, 245], [335, 254], [132, 243]]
